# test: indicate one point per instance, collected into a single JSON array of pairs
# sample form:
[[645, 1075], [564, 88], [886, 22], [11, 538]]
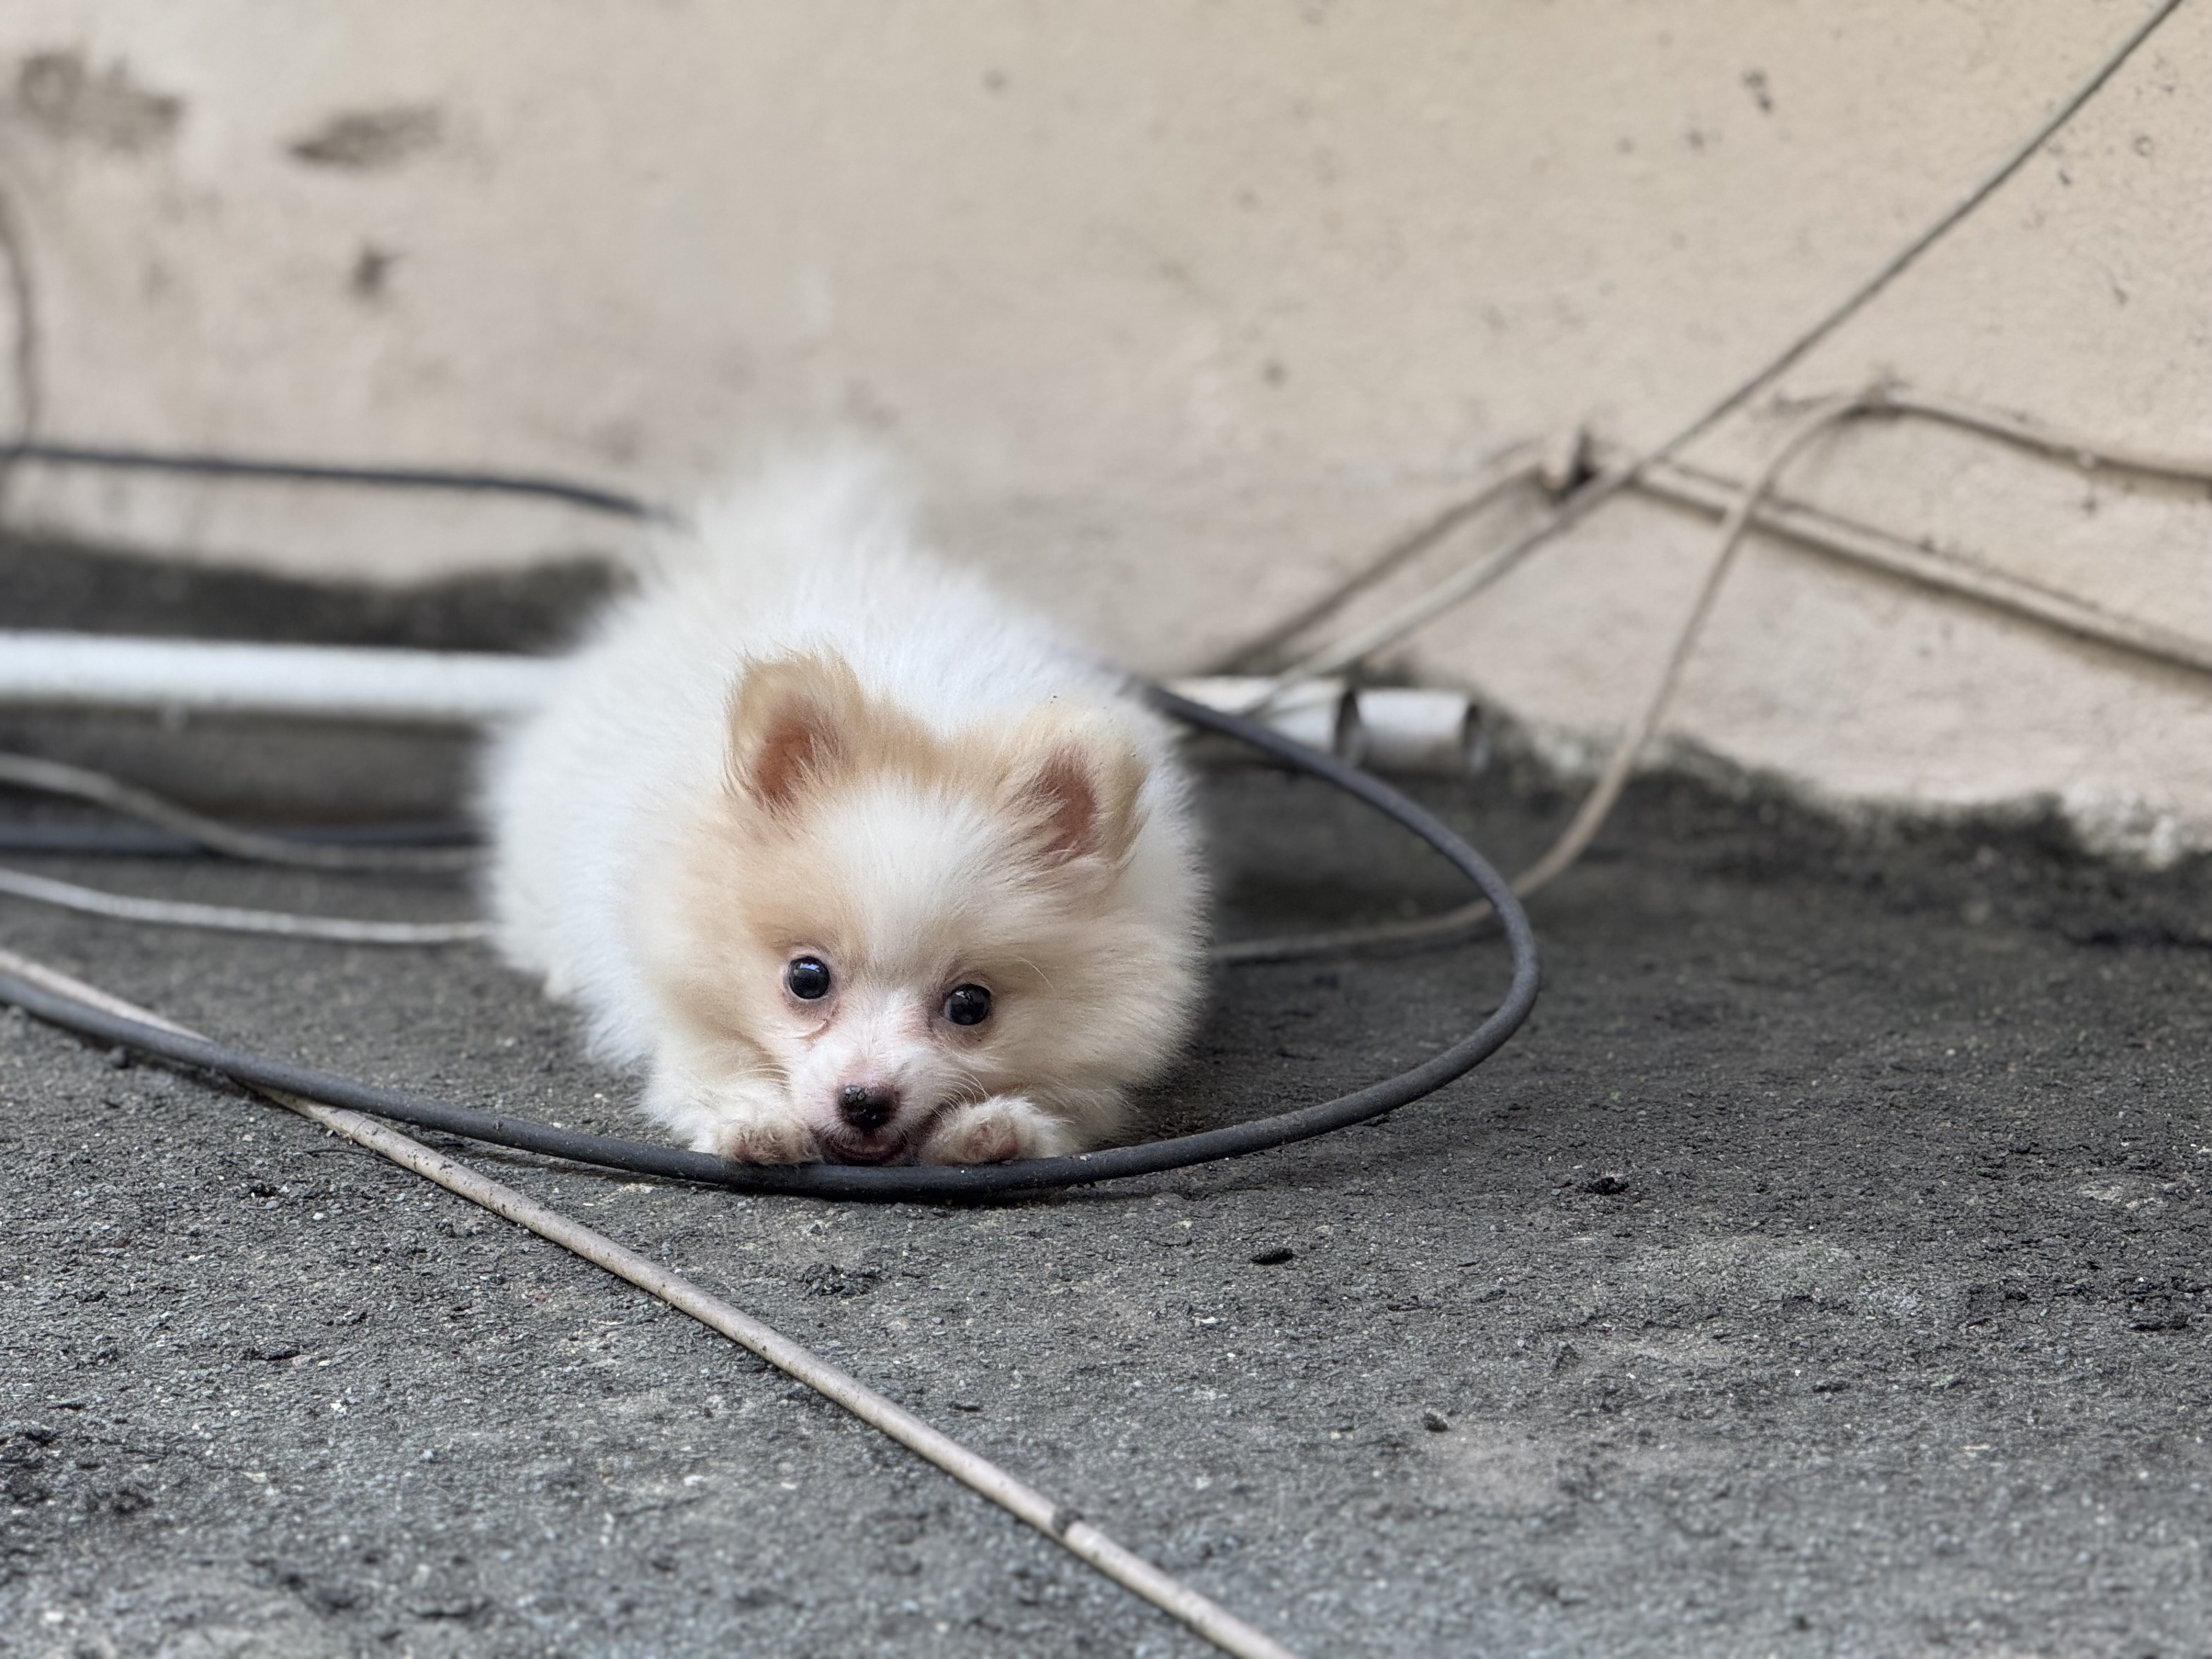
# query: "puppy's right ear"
[[795, 723]]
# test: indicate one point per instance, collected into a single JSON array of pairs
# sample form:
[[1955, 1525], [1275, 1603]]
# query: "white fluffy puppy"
[[858, 860]]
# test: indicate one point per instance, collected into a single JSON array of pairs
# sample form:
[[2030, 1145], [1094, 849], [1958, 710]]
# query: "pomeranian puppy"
[[859, 862]]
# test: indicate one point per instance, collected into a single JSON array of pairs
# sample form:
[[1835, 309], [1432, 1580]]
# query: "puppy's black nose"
[[866, 1106]]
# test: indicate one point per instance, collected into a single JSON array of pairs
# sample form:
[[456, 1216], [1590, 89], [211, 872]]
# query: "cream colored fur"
[[805, 736]]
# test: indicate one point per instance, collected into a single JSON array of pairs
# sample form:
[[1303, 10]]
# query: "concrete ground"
[[1822, 1271]]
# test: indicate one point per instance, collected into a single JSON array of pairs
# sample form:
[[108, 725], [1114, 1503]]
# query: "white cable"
[[1316, 713], [1415, 729], [1207, 1618], [228, 919]]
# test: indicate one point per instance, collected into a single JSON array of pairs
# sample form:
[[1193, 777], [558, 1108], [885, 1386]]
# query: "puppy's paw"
[[747, 1119], [777, 1138], [994, 1131]]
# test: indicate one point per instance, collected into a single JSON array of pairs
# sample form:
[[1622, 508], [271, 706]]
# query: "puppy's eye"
[[807, 978], [968, 1004]]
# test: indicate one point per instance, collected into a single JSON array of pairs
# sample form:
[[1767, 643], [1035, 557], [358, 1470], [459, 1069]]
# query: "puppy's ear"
[[795, 722], [1078, 783]]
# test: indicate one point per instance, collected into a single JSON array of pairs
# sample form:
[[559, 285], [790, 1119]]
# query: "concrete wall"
[[1179, 310]]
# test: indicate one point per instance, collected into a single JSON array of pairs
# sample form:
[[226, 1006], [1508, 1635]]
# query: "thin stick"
[[1055, 1520]]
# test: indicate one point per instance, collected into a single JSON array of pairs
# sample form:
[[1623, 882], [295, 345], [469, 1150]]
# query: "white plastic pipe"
[[416, 688], [1391, 729], [1386, 728], [1316, 713], [1406, 728]]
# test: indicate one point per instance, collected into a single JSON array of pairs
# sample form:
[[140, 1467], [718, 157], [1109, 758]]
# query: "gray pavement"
[[1820, 1273]]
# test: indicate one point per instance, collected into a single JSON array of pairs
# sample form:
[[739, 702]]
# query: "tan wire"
[[1598, 805], [1520, 463], [1884, 550], [51, 777], [2058, 443], [231, 919], [1085, 1541], [1456, 589]]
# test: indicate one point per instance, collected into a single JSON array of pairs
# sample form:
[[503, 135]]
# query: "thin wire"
[[1609, 484], [28, 447], [2057, 443], [24, 353], [1519, 465], [81, 783], [1830, 413], [566, 491], [228, 918], [1330, 660], [1905, 258], [1056, 1520], [1869, 548], [1598, 805], [1455, 590], [30, 772], [1727, 500]]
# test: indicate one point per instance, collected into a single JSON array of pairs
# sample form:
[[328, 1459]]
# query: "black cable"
[[926, 1182], [541, 486]]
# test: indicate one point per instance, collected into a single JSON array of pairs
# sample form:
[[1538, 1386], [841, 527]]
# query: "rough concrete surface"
[[1815, 1275], [1819, 1273]]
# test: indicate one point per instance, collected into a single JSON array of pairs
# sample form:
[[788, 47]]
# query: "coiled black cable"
[[818, 1180], [922, 1181]]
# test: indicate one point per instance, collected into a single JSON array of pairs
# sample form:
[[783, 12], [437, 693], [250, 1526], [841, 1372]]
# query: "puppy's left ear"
[[1079, 785]]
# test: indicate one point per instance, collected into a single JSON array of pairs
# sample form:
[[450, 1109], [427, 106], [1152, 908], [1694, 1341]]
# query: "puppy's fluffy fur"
[[805, 754]]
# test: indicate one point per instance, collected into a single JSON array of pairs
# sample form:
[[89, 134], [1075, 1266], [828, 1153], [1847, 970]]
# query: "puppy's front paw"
[[994, 1131], [746, 1120], [768, 1140]]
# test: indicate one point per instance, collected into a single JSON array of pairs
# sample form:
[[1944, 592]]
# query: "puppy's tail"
[[843, 493]]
